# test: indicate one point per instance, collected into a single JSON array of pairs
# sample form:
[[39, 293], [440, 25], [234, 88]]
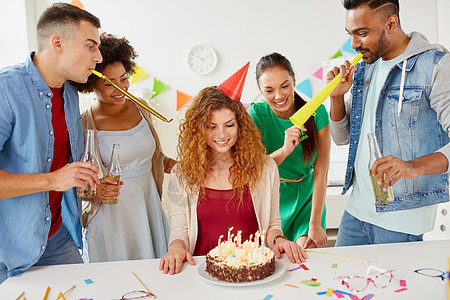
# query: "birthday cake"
[[234, 261]]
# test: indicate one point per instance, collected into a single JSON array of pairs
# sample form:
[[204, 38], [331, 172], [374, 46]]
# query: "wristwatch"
[[277, 237]]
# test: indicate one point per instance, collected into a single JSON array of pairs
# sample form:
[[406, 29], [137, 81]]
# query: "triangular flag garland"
[[347, 47], [158, 87], [182, 99], [338, 54], [77, 3], [305, 87], [319, 74], [139, 73]]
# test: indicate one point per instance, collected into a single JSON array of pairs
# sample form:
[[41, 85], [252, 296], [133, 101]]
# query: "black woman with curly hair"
[[136, 227]]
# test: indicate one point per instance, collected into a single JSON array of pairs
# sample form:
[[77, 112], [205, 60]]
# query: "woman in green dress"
[[302, 156]]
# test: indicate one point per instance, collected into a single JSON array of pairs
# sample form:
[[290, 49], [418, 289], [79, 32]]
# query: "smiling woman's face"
[[277, 87], [223, 130]]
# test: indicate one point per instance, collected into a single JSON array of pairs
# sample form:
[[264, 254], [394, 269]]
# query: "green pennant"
[[338, 54], [158, 87]]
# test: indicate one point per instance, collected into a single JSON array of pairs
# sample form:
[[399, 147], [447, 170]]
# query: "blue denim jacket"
[[26, 146], [415, 133]]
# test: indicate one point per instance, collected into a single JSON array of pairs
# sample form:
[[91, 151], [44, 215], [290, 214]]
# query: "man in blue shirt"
[[41, 140], [401, 92]]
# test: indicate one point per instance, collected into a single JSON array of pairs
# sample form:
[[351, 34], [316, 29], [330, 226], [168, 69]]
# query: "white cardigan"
[[183, 212]]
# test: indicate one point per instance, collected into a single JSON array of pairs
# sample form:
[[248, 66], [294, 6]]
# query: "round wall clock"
[[202, 59]]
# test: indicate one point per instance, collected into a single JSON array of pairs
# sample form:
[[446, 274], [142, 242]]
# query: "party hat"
[[233, 86]]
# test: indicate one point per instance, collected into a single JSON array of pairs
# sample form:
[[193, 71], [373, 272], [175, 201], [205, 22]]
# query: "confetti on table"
[[330, 292], [314, 279], [403, 283], [88, 281], [86, 299], [342, 292], [334, 266], [339, 295], [368, 297], [401, 290], [268, 297], [304, 267], [354, 297], [321, 293], [310, 282], [294, 286], [299, 267]]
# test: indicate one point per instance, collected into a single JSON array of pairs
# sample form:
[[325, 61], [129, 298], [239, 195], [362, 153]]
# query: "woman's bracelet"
[[277, 237]]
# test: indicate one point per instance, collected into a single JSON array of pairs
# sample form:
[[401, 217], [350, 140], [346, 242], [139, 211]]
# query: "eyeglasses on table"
[[360, 283], [135, 295]]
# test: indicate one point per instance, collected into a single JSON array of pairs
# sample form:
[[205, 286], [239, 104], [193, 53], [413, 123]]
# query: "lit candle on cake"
[[257, 239], [229, 232], [262, 241], [220, 248], [239, 237], [234, 247]]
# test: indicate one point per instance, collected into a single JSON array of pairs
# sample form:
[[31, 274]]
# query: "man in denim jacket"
[[402, 93], [41, 138]]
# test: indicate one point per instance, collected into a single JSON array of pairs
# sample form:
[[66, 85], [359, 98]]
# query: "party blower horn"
[[303, 114], [132, 98]]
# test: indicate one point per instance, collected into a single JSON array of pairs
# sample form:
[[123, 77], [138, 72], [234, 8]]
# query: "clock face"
[[202, 59]]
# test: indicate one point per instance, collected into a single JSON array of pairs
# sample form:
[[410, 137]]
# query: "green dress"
[[295, 197]]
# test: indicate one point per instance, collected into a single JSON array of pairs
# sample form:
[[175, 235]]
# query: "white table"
[[112, 280]]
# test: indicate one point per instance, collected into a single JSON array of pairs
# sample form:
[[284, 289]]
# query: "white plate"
[[280, 268]]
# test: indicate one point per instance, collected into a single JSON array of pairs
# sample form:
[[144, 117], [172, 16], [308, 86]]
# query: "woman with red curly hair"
[[223, 178]]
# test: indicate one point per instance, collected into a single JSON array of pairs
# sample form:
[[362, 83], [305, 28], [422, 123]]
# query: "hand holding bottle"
[[380, 181], [111, 193], [76, 174], [90, 156], [108, 190]]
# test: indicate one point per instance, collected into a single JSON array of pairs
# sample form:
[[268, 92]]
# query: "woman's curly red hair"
[[249, 153]]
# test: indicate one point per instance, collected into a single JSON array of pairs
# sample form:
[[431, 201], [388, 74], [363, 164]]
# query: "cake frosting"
[[236, 262]]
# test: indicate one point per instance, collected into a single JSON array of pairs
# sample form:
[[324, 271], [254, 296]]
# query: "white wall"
[[443, 22], [13, 33], [307, 32]]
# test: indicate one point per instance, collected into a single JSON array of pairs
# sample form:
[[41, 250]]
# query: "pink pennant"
[[319, 74]]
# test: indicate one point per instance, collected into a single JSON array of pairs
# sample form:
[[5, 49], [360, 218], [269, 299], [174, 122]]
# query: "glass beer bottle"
[[375, 153], [114, 171], [89, 155]]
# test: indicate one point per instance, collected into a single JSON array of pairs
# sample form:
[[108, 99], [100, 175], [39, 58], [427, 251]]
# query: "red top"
[[216, 213], [61, 154]]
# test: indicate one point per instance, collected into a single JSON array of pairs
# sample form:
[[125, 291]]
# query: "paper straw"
[[46, 293], [307, 110], [336, 255], [61, 295], [145, 287], [20, 296], [132, 98], [69, 290]]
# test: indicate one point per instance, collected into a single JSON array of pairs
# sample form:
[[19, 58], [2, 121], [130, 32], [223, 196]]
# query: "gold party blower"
[[132, 98]]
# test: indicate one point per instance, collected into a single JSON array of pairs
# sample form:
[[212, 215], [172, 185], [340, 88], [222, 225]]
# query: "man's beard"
[[381, 47]]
